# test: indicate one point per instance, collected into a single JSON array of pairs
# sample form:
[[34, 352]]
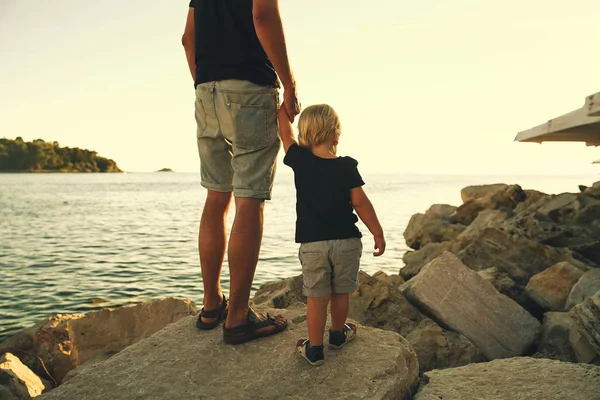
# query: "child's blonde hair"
[[318, 124]]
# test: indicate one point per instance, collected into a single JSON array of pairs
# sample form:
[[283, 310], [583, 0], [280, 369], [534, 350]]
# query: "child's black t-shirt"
[[323, 205]]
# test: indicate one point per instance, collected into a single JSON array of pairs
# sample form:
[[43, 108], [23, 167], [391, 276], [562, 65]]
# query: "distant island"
[[40, 156], [165, 170]]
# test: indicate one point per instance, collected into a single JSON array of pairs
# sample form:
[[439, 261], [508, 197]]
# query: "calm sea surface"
[[72, 243]]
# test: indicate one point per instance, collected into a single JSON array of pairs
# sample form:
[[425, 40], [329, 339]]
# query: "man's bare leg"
[[212, 240], [244, 247]]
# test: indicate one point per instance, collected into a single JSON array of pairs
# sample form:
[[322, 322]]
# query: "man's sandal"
[[252, 329], [312, 354], [338, 339], [218, 314]]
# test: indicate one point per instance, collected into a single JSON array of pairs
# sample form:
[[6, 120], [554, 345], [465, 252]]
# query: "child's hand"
[[282, 113], [379, 245], [286, 131]]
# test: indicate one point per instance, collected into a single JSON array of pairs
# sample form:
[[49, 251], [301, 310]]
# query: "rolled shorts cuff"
[[316, 292], [216, 187], [345, 289], [255, 194]]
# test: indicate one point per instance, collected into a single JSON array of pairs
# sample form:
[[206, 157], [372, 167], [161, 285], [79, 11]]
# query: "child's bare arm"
[[285, 128], [367, 214]]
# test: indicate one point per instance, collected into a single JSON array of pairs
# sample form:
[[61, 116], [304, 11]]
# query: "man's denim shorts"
[[330, 266], [238, 137]]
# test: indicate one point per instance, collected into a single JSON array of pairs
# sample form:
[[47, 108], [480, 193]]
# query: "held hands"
[[291, 103], [286, 132], [282, 113], [379, 245]]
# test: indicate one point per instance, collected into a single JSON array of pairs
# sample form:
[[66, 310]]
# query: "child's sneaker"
[[338, 339], [313, 354]]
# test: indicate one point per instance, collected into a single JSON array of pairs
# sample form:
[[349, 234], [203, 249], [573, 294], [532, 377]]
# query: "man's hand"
[[379, 245], [291, 103]]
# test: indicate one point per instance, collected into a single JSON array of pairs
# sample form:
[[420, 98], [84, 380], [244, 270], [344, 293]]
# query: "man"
[[235, 50]]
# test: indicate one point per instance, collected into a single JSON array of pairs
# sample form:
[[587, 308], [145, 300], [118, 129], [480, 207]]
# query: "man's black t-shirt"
[[323, 205], [226, 43]]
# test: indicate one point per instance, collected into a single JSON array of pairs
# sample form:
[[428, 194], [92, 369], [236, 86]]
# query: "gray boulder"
[[181, 362], [584, 351], [565, 220], [500, 280], [378, 302], [281, 294], [514, 378], [555, 336], [432, 227], [477, 192], [458, 298], [485, 219], [441, 211], [519, 258], [570, 208], [499, 197], [586, 319], [534, 199], [415, 260], [585, 288], [593, 191], [437, 348]]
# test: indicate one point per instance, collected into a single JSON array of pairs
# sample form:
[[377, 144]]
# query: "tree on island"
[[40, 156], [165, 170]]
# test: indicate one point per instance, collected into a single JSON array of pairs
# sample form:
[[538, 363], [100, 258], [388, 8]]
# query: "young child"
[[328, 190]]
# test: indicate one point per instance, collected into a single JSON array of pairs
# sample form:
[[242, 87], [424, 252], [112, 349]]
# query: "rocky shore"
[[499, 299]]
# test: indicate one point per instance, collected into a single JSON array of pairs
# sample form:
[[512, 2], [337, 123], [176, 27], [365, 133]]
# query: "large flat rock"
[[109, 331], [181, 362], [62, 342], [514, 378], [460, 299]]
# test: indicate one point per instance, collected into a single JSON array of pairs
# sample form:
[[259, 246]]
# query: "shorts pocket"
[[347, 263], [251, 126], [200, 115], [316, 270]]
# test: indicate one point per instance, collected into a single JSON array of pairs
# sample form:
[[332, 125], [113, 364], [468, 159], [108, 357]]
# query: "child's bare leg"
[[316, 317], [340, 303]]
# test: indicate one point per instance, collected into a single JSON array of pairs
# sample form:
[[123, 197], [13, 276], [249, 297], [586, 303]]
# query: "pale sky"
[[438, 86]]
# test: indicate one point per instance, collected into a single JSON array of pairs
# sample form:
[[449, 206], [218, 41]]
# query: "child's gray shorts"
[[330, 266]]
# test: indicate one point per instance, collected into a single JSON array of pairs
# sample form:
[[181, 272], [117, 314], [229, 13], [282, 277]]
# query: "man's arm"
[[269, 29], [189, 42], [366, 212], [285, 128]]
